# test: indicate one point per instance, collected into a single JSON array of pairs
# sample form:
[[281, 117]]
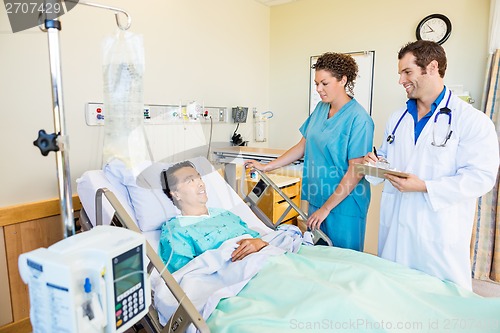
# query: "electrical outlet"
[[223, 115], [94, 114], [216, 113]]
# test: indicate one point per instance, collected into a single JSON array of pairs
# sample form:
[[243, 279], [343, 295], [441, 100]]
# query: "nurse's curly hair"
[[339, 64]]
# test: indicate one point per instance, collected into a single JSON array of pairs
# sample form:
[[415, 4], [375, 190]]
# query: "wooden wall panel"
[[21, 238], [25, 227], [5, 306], [33, 210], [22, 326]]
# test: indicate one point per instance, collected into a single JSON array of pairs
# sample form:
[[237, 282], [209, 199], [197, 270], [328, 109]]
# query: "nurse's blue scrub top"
[[330, 144]]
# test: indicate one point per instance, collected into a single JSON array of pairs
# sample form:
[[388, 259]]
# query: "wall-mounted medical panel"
[[155, 114]]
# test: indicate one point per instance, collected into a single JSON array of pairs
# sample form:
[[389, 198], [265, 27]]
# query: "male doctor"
[[450, 149]]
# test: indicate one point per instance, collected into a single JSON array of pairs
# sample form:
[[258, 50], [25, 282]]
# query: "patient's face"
[[190, 188]]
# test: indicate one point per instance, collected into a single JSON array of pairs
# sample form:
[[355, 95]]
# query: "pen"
[[375, 151]]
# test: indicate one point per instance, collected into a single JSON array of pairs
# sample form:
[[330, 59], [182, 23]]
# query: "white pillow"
[[87, 185], [151, 206]]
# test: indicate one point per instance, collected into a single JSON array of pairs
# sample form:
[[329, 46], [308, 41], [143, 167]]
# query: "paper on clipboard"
[[374, 171]]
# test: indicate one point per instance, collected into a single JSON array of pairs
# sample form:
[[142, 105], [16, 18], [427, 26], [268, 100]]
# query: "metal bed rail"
[[319, 237], [186, 313]]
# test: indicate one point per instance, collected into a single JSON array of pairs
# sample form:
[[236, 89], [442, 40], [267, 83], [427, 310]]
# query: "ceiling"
[[274, 2]]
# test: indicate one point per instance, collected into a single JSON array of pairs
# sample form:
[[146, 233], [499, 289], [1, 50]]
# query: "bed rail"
[[254, 196], [186, 313]]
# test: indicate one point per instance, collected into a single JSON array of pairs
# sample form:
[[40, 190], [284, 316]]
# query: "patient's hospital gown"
[[190, 236]]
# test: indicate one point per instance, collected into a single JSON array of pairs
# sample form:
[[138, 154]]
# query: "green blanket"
[[324, 289]]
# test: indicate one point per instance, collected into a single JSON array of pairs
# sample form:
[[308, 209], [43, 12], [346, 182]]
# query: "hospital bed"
[[319, 288]]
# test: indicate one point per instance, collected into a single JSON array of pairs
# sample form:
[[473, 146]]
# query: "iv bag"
[[123, 70]]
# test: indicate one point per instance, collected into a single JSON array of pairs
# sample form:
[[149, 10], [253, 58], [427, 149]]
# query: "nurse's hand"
[[410, 184], [316, 218], [252, 164], [248, 246]]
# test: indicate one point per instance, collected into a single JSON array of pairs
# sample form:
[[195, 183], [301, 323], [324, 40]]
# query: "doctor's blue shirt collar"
[[411, 105]]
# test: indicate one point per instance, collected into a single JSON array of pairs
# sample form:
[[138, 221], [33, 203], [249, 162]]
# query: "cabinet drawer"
[[279, 209], [290, 191]]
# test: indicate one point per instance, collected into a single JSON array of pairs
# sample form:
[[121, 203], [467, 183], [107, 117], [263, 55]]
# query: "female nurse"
[[338, 134]]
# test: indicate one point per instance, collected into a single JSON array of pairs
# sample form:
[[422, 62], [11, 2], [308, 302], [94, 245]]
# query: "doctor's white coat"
[[431, 231]]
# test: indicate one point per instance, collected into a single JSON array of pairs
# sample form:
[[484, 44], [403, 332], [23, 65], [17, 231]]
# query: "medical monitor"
[[94, 281]]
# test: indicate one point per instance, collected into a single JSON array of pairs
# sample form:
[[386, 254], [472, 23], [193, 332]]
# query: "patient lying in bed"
[[199, 228], [204, 246]]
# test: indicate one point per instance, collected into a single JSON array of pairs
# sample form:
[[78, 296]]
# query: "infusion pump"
[[94, 281]]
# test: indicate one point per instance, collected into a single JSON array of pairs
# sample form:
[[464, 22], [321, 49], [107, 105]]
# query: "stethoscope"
[[445, 110]]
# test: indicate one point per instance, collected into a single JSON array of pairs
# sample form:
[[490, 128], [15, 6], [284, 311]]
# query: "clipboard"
[[378, 172]]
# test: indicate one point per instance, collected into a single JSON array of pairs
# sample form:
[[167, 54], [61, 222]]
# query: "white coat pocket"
[[442, 160]]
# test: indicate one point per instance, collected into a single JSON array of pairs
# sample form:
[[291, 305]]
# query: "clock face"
[[435, 27]]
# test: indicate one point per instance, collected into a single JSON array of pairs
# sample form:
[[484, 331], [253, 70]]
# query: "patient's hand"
[[248, 246]]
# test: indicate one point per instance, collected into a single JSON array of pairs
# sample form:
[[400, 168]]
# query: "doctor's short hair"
[[425, 51], [339, 64], [169, 181]]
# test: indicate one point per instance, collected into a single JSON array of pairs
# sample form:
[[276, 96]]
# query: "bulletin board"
[[363, 88]]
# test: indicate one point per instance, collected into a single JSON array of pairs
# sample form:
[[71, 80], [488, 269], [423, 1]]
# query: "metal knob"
[[46, 142]]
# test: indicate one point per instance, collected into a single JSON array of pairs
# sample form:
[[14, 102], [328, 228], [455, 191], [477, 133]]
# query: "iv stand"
[[59, 141]]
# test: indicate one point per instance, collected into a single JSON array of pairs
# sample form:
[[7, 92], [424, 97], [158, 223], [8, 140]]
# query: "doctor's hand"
[[248, 246], [316, 218], [410, 184]]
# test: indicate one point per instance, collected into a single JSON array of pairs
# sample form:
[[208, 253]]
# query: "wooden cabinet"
[[272, 204], [24, 228]]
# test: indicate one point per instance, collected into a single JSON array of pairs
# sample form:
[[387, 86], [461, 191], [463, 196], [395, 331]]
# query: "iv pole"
[[59, 141]]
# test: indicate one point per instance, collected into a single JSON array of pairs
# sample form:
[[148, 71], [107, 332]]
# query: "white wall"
[[310, 27], [215, 52]]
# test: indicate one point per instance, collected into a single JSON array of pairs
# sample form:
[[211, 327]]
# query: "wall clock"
[[435, 27]]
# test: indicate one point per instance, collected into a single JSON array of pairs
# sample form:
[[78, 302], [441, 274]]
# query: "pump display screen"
[[128, 273], [127, 269]]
